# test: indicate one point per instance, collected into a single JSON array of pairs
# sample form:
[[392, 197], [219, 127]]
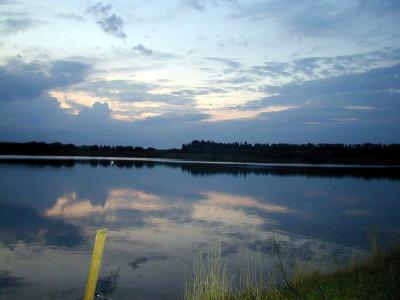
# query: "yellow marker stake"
[[94, 268]]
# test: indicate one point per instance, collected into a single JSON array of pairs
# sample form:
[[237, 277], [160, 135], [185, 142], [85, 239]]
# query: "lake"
[[163, 215]]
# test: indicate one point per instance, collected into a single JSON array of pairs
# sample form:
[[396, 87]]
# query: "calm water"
[[160, 216]]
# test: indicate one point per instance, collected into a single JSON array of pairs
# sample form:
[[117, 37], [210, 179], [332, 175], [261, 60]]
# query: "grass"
[[378, 277]]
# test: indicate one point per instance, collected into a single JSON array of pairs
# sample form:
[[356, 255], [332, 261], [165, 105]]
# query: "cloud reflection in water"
[[70, 206]]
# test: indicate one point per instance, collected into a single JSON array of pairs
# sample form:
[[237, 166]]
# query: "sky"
[[161, 73]]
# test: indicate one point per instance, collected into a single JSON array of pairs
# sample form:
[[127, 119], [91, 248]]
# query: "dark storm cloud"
[[109, 22], [20, 81]]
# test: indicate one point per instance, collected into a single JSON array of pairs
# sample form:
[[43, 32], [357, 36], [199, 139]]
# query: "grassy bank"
[[378, 277]]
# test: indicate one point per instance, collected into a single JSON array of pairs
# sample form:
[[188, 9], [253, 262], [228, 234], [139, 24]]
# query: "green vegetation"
[[376, 278]]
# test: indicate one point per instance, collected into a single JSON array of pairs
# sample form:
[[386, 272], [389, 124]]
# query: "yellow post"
[[94, 267]]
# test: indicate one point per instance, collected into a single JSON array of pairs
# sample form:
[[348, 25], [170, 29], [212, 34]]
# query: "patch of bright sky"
[[235, 114], [66, 99]]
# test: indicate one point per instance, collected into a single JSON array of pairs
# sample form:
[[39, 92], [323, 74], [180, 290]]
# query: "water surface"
[[161, 214]]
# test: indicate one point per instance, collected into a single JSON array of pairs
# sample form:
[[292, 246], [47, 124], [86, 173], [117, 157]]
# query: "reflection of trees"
[[210, 169], [10, 282], [235, 170], [106, 285], [137, 262]]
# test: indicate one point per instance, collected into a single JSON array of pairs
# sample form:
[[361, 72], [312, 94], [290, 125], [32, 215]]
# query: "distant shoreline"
[[22, 157], [201, 151]]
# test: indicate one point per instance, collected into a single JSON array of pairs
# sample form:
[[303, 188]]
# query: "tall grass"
[[378, 277], [209, 279]]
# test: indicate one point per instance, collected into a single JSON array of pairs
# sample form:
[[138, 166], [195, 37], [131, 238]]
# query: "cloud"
[[13, 23], [98, 113], [301, 17], [317, 18], [198, 91], [198, 5], [71, 16], [4, 2], [70, 206], [66, 72], [139, 49], [278, 73], [27, 112], [109, 22], [202, 5], [179, 117], [359, 107], [370, 97], [374, 80], [380, 6], [310, 68], [129, 91], [112, 25], [44, 119], [332, 109], [99, 9], [232, 64], [24, 81]]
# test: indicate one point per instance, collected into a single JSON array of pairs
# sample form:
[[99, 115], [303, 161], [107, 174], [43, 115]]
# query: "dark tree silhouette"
[[236, 151]]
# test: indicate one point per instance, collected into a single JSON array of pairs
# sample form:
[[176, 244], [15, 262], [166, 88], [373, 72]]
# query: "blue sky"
[[161, 73]]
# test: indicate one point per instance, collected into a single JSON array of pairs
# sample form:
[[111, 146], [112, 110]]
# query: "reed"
[[378, 277]]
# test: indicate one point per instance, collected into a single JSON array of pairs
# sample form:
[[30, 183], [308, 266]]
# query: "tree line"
[[306, 151], [236, 151]]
